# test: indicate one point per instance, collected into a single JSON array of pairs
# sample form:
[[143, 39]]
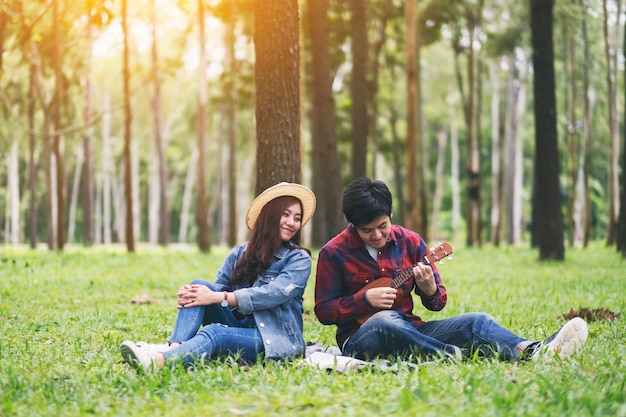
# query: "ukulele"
[[435, 255]]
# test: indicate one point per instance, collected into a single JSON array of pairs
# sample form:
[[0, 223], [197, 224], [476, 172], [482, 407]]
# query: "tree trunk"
[[470, 100], [13, 193], [611, 76], [187, 193], [202, 202], [231, 105], [414, 204], [327, 184], [128, 118], [589, 103], [511, 155], [32, 170], [88, 180], [621, 238], [107, 175], [164, 215], [276, 79], [71, 221], [358, 86], [496, 155], [455, 185], [571, 136], [374, 71], [154, 197], [57, 147], [546, 208], [398, 150], [442, 142]]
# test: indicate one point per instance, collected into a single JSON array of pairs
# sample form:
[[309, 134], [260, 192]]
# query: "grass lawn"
[[65, 315]]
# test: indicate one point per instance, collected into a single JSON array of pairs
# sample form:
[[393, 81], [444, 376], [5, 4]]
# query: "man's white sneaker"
[[567, 340], [137, 356]]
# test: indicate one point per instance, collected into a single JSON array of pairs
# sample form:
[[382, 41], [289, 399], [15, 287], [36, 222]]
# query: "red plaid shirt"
[[344, 267]]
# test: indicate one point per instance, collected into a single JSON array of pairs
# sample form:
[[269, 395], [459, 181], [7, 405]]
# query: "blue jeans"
[[222, 334], [386, 333]]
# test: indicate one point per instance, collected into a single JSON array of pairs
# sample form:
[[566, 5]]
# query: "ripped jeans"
[[222, 334]]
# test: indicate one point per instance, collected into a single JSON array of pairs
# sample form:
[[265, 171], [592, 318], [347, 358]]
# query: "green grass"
[[65, 315]]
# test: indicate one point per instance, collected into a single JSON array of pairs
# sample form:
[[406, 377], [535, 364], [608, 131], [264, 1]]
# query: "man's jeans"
[[222, 335], [386, 333]]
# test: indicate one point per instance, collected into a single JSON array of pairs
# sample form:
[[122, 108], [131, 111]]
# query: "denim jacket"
[[275, 298]]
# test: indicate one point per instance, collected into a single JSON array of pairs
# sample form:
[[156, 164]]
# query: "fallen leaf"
[[144, 299]]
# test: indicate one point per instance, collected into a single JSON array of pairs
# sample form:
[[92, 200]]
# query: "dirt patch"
[[591, 314]]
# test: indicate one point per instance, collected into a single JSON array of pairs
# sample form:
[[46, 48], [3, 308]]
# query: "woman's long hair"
[[264, 241]]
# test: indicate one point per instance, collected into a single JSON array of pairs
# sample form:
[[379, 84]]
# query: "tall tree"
[[496, 157], [202, 203], [358, 86], [57, 147], [613, 122], [277, 83], [231, 102], [621, 238], [415, 209], [326, 171], [470, 96], [128, 119], [582, 204], [164, 215], [547, 217]]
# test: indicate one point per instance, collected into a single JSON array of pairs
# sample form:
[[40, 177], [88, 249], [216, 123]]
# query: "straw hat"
[[302, 193]]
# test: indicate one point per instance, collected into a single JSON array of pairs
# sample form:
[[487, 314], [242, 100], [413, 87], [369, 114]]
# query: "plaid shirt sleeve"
[[334, 304]]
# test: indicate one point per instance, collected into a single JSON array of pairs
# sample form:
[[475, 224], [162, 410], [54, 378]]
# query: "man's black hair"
[[364, 200]]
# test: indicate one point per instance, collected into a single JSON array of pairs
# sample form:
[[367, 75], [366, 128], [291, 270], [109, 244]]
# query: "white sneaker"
[[137, 356], [567, 340], [154, 347]]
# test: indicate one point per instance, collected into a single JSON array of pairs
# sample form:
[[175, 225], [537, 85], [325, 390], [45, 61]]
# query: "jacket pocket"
[[357, 281]]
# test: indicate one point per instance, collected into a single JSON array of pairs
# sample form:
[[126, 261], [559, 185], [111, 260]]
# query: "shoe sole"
[[570, 339], [128, 353]]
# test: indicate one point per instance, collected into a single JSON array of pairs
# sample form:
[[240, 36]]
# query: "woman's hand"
[[193, 295]]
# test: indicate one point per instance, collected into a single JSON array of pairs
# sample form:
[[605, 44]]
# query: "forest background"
[[159, 120]]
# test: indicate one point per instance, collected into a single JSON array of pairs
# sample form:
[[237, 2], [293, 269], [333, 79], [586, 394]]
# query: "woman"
[[254, 307]]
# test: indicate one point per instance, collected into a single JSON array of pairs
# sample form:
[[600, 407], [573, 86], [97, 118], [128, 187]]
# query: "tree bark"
[[57, 146], [71, 221], [415, 204], [187, 193], [128, 118], [32, 170], [202, 202], [88, 180], [546, 209], [164, 215], [621, 238], [327, 184], [231, 105], [277, 83], [611, 75], [358, 86], [496, 155]]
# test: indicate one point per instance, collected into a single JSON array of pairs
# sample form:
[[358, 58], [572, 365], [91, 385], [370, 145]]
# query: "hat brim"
[[302, 193]]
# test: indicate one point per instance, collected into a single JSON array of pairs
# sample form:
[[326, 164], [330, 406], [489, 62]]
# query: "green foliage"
[[65, 314]]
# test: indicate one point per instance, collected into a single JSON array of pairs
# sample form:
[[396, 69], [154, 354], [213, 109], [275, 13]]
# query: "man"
[[368, 322]]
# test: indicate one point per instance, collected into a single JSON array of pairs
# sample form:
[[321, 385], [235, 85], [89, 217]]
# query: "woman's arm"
[[275, 290]]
